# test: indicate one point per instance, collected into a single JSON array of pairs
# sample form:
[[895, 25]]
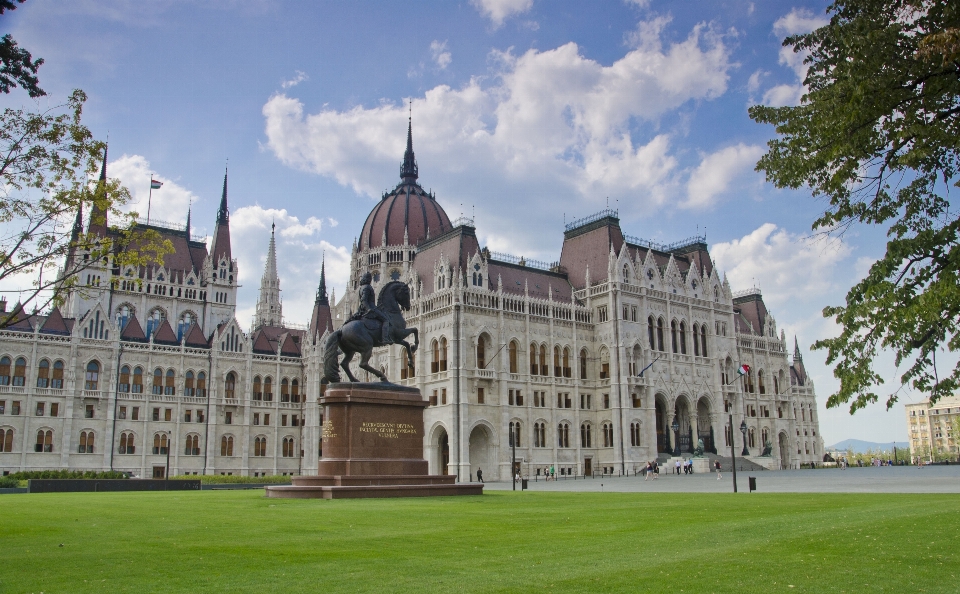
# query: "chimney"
[[3, 304]]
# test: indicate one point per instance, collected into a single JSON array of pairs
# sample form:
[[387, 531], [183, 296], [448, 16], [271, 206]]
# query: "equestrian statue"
[[375, 323]]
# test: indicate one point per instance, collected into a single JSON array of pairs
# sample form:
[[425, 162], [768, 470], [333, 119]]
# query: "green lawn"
[[223, 541]]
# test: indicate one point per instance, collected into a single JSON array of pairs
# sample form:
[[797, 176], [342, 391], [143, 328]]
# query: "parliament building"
[[622, 351]]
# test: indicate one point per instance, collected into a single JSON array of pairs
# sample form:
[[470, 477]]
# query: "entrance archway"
[[663, 432], [482, 455], [681, 412], [784, 452], [704, 426], [443, 452]]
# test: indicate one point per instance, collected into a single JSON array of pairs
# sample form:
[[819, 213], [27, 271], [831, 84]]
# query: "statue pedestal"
[[701, 465], [372, 447]]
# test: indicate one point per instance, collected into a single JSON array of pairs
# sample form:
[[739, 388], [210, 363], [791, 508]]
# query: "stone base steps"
[[370, 486]]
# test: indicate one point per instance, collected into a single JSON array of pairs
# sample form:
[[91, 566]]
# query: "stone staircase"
[[742, 463]]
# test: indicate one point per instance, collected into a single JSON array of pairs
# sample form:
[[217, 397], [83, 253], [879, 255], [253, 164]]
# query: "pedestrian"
[[677, 468], [647, 471], [656, 470], [479, 475], [716, 465]]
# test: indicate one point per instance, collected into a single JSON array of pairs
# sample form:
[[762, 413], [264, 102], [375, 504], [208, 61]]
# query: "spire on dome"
[[269, 307], [408, 171]]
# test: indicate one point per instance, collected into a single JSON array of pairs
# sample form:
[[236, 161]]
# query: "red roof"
[[55, 324], [407, 207], [165, 334], [195, 337], [133, 330]]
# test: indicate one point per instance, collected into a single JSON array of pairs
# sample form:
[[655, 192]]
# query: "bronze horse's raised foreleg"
[[345, 365]]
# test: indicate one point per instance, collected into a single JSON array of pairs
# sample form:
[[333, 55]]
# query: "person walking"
[[647, 471], [716, 465], [677, 468], [479, 475]]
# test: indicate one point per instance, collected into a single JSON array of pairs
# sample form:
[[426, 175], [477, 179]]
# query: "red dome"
[[407, 207]]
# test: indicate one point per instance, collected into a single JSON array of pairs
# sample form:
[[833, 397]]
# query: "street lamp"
[[676, 436], [743, 430], [166, 475], [513, 467]]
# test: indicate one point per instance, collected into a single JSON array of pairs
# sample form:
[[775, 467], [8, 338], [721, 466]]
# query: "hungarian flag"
[[154, 184], [743, 370]]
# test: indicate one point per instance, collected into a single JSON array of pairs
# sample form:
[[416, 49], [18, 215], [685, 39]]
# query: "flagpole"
[[149, 198]]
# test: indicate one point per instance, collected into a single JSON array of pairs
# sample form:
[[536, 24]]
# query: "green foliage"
[[17, 66], [217, 479], [67, 474], [239, 541], [8, 482], [48, 172], [877, 134]]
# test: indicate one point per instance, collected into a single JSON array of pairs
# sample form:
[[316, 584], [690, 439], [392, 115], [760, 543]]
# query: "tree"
[[17, 66], [876, 134], [48, 174]]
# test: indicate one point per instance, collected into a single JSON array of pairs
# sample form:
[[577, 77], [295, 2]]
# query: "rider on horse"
[[367, 308]]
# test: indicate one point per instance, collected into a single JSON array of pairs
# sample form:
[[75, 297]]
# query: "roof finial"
[[408, 171]]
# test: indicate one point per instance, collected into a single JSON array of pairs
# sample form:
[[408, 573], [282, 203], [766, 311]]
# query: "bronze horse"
[[362, 335]]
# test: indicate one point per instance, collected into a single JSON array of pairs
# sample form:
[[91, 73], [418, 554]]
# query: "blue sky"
[[525, 113]]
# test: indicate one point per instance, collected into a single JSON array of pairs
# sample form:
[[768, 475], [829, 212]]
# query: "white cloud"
[[500, 10], [441, 56], [796, 22], [296, 80], [169, 203], [785, 265], [551, 125], [717, 170]]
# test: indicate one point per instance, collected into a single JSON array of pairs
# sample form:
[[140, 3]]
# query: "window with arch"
[[752, 437], [201, 384], [660, 334], [44, 441], [230, 386], [186, 320], [192, 447], [683, 337], [586, 435], [137, 383], [127, 443], [604, 363], [288, 447], [557, 368], [295, 390], [563, 435], [635, 434], [260, 446], [534, 368], [284, 390], [481, 353], [650, 334], [776, 385], [188, 384], [751, 387], [257, 388], [86, 442], [515, 433], [674, 344], [514, 357], [20, 372], [716, 294], [607, 435], [43, 374], [92, 377], [443, 354], [544, 366], [583, 363], [435, 362], [696, 340], [124, 385], [566, 362], [760, 386], [156, 317], [6, 440], [268, 389], [157, 381], [57, 381], [169, 387], [124, 313], [160, 443], [539, 435], [226, 445]]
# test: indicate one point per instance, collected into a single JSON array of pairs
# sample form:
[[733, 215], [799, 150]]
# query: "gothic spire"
[[322, 289], [98, 216], [408, 171], [187, 231], [269, 307], [223, 215], [220, 248]]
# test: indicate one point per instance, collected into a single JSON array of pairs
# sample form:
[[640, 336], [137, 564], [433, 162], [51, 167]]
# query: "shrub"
[[219, 479], [8, 482], [67, 474]]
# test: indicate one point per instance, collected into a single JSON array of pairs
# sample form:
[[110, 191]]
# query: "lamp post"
[[743, 430], [513, 466], [676, 436], [166, 475]]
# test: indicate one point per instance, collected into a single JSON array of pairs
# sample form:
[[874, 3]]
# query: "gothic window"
[[160, 443], [229, 386], [127, 445], [260, 446], [534, 369], [201, 385], [137, 386], [557, 369], [156, 317], [481, 353], [683, 338], [762, 388], [43, 374], [92, 377], [6, 440], [124, 312], [696, 340], [435, 363], [124, 379], [674, 345], [188, 386], [284, 390], [635, 434], [566, 362], [395, 274], [703, 340], [169, 388], [5, 371], [288, 447], [226, 445], [295, 390], [586, 435], [626, 273], [515, 430], [268, 389], [544, 369], [650, 336], [583, 364], [443, 354], [563, 435], [660, 334], [514, 364], [608, 435], [604, 363], [186, 320], [86, 442], [257, 388], [716, 294], [44, 441]]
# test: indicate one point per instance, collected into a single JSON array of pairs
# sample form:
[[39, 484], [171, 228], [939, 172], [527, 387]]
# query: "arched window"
[[86, 442], [683, 337], [43, 374], [563, 435], [634, 434], [192, 446], [443, 354], [583, 363], [626, 273], [44, 441], [169, 388], [92, 378], [534, 368], [157, 381], [124, 385], [127, 445], [557, 369], [5, 371], [295, 390], [57, 381], [660, 334], [703, 340], [260, 446], [604, 363], [188, 387], [752, 437], [201, 384], [435, 364], [288, 447], [20, 372], [229, 386], [674, 345], [515, 433], [257, 388], [514, 360], [481, 353], [268, 389], [760, 385], [284, 390], [696, 340], [566, 362], [160, 443], [776, 385], [544, 369], [6, 440], [653, 342], [137, 386], [608, 435], [586, 435], [226, 445]]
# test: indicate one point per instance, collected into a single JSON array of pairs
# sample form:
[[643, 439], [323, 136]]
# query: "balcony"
[[12, 390], [486, 374]]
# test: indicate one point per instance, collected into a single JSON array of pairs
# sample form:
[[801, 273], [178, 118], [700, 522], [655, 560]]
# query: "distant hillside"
[[859, 446]]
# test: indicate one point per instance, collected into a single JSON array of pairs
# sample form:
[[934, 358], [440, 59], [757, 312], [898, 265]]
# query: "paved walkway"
[[886, 479]]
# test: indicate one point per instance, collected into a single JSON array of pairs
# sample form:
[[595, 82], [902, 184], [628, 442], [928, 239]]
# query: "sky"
[[526, 114]]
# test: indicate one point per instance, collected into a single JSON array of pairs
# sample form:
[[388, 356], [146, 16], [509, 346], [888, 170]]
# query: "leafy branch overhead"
[[48, 168], [877, 134], [17, 66]]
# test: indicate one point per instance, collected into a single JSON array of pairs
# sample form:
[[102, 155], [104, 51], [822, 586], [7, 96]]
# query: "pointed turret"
[[221, 236], [98, 216], [408, 171], [187, 230], [321, 320], [798, 373], [269, 308], [74, 239]]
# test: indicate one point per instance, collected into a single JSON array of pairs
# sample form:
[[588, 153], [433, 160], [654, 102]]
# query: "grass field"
[[216, 541]]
